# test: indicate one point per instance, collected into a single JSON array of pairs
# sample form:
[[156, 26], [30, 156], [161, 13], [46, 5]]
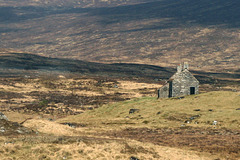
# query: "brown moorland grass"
[[58, 148], [175, 128], [60, 96]]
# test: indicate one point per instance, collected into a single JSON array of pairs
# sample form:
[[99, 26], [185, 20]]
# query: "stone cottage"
[[180, 84]]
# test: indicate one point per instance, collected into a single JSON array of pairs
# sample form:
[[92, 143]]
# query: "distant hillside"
[[12, 63], [159, 32], [70, 3], [20, 64]]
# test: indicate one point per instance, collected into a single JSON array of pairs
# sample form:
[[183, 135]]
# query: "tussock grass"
[[92, 150], [48, 127]]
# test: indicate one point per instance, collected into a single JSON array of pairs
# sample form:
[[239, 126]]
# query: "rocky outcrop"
[[12, 128]]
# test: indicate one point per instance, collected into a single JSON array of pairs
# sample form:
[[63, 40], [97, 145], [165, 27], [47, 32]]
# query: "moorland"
[[79, 79], [157, 32], [66, 109]]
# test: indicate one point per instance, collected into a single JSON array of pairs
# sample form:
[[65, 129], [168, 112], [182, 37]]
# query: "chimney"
[[179, 68], [185, 66]]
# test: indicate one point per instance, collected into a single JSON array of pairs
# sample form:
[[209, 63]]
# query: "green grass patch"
[[195, 110]]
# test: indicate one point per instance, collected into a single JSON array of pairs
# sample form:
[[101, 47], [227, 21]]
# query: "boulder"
[[2, 116], [131, 111], [133, 158]]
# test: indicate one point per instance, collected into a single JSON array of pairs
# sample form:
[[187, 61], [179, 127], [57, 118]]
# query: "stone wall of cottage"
[[181, 84], [163, 92]]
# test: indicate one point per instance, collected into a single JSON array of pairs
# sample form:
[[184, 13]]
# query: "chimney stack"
[[185, 66], [179, 68]]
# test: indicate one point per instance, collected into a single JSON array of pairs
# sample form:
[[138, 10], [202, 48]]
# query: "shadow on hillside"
[[16, 64], [30, 62], [178, 12], [205, 12]]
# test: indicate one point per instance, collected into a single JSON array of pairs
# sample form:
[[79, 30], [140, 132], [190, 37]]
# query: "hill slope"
[[69, 3], [206, 122], [18, 64], [162, 32], [196, 111], [13, 63]]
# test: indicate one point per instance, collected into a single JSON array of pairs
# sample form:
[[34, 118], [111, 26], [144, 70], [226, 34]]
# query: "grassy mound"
[[213, 109]]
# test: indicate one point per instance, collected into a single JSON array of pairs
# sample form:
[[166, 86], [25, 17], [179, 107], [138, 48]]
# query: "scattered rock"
[[181, 97], [158, 112], [74, 125], [2, 129], [50, 119], [133, 158], [214, 122], [20, 131], [61, 76], [133, 111], [210, 110], [187, 122], [196, 110], [2, 116], [70, 125], [238, 109], [13, 128], [192, 118]]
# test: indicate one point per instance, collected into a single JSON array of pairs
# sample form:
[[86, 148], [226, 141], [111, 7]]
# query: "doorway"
[[170, 89], [192, 90]]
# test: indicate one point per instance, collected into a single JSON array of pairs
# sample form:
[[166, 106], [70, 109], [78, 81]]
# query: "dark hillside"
[[70, 3], [204, 12], [23, 64], [160, 32]]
